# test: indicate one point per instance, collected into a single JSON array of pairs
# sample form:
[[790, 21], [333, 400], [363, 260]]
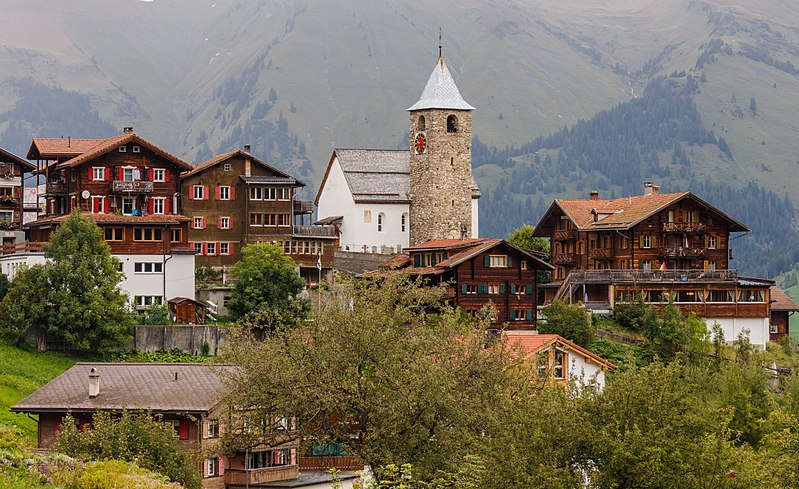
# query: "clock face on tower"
[[420, 143]]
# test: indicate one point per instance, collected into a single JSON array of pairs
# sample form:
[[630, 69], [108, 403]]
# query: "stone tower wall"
[[441, 178]]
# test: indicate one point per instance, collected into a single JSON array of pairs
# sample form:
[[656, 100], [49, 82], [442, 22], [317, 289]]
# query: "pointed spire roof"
[[441, 91]]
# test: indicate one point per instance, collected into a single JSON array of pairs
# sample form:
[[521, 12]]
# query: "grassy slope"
[[21, 373]]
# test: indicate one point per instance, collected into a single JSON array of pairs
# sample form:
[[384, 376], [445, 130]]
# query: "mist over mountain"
[[560, 90]]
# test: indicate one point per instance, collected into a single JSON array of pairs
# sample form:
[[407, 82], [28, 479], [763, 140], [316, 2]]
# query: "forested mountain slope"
[[295, 78]]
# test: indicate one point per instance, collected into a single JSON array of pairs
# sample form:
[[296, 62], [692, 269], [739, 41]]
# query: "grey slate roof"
[[276, 180], [376, 175], [133, 386], [441, 91]]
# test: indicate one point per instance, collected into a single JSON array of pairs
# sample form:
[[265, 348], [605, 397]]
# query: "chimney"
[[94, 383], [127, 130], [655, 189], [648, 188], [595, 213], [247, 148], [593, 195]]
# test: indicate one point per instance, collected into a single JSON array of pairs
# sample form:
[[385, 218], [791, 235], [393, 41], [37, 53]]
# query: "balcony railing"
[[56, 188], [239, 477], [24, 247], [563, 258], [564, 234], [132, 187], [636, 276], [599, 253], [318, 231], [303, 207], [683, 227], [680, 252], [325, 462]]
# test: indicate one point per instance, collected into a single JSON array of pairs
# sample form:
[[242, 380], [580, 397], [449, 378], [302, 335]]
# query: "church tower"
[[441, 183]]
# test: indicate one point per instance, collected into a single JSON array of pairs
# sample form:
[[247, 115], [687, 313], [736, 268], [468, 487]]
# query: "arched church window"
[[381, 218], [452, 124], [420, 123]]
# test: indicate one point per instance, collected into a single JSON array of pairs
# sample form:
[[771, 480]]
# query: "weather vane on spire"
[[439, 42]]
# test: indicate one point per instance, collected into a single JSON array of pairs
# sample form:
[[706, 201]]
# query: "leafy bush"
[[138, 437], [570, 321]]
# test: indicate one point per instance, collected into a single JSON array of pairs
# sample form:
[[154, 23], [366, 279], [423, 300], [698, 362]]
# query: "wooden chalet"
[[661, 246], [12, 172], [234, 199], [187, 396], [479, 271], [782, 307]]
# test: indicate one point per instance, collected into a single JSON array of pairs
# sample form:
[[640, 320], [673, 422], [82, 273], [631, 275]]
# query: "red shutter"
[[221, 465], [206, 195], [219, 222], [95, 205], [230, 248], [107, 174], [230, 223], [232, 192], [218, 192], [150, 174], [105, 205], [205, 248], [183, 431], [150, 205], [166, 175], [120, 173], [191, 192], [167, 204], [203, 224], [90, 174]]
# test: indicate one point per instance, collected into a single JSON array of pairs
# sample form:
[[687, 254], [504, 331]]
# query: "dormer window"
[[136, 149], [123, 149], [452, 124]]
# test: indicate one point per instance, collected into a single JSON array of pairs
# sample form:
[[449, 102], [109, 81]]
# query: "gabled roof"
[[372, 175], [440, 92], [781, 302], [55, 148], [160, 387], [622, 213], [531, 343], [11, 157], [112, 143], [200, 167], [461, 251]]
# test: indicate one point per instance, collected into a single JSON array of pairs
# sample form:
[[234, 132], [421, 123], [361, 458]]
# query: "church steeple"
[[441, 180]]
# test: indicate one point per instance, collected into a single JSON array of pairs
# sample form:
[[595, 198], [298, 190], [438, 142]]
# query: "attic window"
[[123, 149], [136, 149], [227, 166], [452, 124]]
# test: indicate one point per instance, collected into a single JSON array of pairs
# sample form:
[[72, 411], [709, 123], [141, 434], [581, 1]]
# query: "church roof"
[[441, 91]]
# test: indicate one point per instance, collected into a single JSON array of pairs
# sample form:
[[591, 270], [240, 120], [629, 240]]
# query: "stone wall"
[[441, 177], [349, 262], [189, 338]]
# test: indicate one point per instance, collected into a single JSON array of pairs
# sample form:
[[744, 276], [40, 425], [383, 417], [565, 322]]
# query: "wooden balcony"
[[239, 477], [56, 188], [650, 276], [315, 231], [681, 252], [303, 207], [24, 247], [563, 259], [564, 234], [683, 227], [600, 254], [136, 187], [324, 462]]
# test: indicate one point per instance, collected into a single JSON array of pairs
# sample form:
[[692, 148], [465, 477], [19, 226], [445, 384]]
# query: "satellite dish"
[[85, 194]]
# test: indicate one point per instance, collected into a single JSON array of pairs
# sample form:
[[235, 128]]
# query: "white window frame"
[[148, 267], [227, 167], [256, 193], [123, 149], [159, 175], [224, 222], [497, 261], [224, 192], [224, 248], [195, 221], [283, 193], [159, 205], [95, 173], [198, 248], [646, 241], [100, 199], [10, 215], [213, 466], [213, 428], [711, 242], [210, 248], [136, 149], [128, 174], [198, 192]]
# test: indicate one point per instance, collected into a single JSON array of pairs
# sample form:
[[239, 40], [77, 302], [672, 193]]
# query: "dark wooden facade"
[[12, 173], [235, 199], [480, 271]]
